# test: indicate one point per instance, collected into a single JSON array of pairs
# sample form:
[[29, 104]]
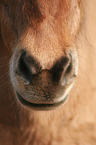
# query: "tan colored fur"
[[74, 123]]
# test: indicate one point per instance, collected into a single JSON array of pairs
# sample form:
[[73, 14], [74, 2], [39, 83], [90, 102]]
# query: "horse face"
[[40, 35]]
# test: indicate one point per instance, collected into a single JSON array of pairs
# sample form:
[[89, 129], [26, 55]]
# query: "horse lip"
[[39, 106], [46, 105]]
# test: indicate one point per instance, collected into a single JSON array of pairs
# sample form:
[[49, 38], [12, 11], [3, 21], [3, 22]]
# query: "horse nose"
[[63, 71], [27, 67], [60, 68]]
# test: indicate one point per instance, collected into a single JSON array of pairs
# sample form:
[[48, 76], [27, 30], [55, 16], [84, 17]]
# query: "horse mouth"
[[40, 106]]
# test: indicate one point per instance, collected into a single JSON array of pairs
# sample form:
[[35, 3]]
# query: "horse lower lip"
[[40, 106]]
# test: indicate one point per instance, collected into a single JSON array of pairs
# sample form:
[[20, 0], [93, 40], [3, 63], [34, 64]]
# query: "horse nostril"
[[59, 68], [27, 67], [63, 70]]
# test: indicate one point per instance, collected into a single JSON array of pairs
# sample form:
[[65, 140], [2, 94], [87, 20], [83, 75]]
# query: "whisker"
[[5, 83], [9, 93], [4, 75], [4, 65], [5, 58]]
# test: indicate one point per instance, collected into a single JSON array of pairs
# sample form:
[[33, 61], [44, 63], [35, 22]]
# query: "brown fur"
[[74, 123]]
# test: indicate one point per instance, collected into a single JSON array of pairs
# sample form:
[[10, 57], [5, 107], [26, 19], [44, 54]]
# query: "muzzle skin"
[[43, 89]]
